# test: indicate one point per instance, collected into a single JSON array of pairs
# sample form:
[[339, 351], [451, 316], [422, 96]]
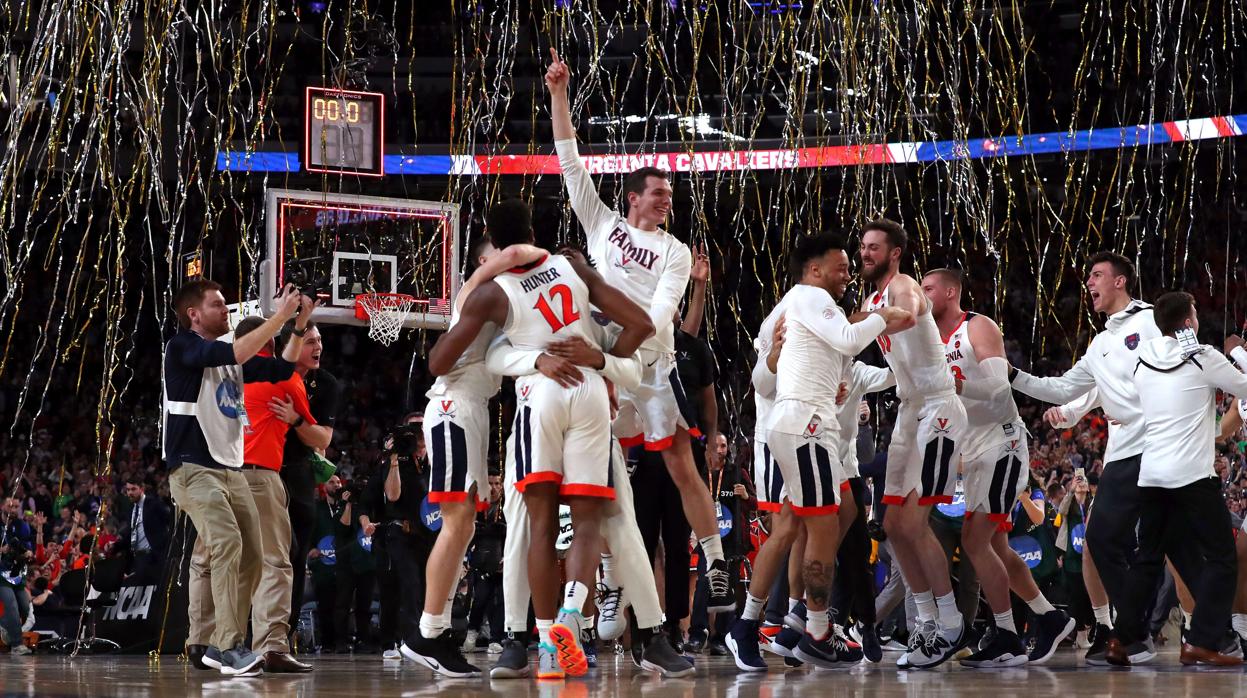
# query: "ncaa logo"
[[1028, 549], [1132, 342], [229, 398]]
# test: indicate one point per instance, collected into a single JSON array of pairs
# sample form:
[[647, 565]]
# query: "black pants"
[[487, 603], [354, 592], [1191, 517], [1112, 538], [1078, 600], [402, 585], [302, 525], [777, 602], [660, 512], [324, 586], [854, 585]]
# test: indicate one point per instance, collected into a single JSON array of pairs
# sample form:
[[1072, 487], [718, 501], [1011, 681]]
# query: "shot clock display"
[[344, 132]]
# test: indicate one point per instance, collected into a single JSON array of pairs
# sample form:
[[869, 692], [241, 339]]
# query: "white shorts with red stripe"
[[810, 465], [456, 433], [768, 478], [653, 412], [925, 451], [563, 435], [997, 474]]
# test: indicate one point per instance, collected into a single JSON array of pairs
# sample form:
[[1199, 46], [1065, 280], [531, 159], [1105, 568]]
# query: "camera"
[[303, 276], [404, 439]]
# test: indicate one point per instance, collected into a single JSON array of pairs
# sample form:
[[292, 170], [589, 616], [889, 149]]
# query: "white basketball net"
[[386, 314]]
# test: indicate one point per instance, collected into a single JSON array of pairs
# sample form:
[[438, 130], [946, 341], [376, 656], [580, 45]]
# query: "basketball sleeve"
[[503, 359], [1220, 373], [1057, 389], [595, 216], [1073, 411], [829, 324], [1239, 355], [763, 379], [674, 282], [872, 379]]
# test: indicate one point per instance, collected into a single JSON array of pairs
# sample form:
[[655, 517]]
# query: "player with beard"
[[925, 448], [803, 436], [995, 465]]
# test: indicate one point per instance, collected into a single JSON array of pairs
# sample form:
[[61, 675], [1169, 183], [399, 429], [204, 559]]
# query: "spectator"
[[17, 551], [486, 572], [355, 571], [146, 534]]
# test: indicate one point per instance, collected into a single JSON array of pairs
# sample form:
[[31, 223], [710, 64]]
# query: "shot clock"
[[344, 132]]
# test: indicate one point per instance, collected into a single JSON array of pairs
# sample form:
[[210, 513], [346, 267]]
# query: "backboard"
[[344, 245]]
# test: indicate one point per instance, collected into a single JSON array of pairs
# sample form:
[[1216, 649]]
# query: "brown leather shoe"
[[282, 663], [1116, 653], [1198, 655]]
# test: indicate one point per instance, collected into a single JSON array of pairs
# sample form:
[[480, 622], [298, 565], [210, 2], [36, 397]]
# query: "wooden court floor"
[[615, 677]]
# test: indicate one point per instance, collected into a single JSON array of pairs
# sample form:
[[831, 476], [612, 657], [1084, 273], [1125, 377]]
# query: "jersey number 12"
[[569, 314]]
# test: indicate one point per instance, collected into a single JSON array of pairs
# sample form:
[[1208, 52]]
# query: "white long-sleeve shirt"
[[861, 379], [819, 343], [1109, 366], [1178, 397], [763, 378], [652, 268]]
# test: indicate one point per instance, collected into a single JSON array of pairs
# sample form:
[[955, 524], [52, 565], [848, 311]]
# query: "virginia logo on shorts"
[[1132, 342], [941, 425], [811, 429], [524, 393], [1013, 445], [448, 408]]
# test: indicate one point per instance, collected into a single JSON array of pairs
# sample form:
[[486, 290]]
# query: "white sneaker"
[[494, 648], [20, 651], [392, 654], [469, 642], [612, 621]]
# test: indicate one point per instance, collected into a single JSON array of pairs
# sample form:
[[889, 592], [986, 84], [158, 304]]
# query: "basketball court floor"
[[615, 677]]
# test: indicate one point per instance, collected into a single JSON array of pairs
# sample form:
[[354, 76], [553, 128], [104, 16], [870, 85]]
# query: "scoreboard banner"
[[1142, 135], [344, 132]]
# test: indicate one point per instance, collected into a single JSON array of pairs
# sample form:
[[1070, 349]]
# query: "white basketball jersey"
[[963, 363], [916, 356], [469, 376], [548, 301]]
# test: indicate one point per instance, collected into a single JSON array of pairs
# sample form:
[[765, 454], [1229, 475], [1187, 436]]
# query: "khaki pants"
[[270, 605], [225, 565]]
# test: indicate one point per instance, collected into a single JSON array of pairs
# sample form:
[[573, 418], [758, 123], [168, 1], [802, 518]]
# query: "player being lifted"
[[651, 267], [925, 448], [995, 465], [565, 447]]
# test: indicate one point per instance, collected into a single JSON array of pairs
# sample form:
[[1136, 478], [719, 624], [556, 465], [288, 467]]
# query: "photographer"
[[355, 571], [17, 551], [400, 534]]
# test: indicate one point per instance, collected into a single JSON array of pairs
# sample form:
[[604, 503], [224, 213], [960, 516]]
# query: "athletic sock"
[[712, 546], [1040, 605], [1004, 621], [925, 602], [792, 604], [1239, 621], [817, 625], [574, 596], [753, 607], [950, 617], [1103, 616], [608, 570], [431, 626], [543, 631]]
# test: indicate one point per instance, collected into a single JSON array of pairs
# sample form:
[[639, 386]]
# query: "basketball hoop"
[[385, 314]]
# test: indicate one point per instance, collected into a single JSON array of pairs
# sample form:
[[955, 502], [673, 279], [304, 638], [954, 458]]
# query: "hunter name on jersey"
[[539, 279]]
